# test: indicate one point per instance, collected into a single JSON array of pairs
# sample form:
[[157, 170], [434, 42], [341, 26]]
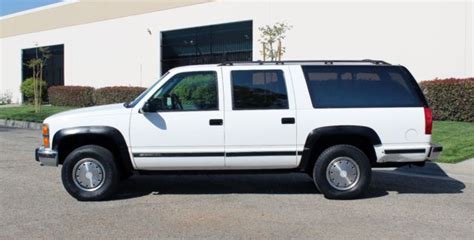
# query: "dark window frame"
[[214, 56], [51, 81], [194, 110], [257, 109], [55, 47], [410, 81]]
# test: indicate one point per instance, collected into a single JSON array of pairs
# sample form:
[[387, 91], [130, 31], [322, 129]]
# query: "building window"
[[206, 45], [53, 72], [261, 89]]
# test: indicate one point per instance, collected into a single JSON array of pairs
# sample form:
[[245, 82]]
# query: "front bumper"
[[46, 157]]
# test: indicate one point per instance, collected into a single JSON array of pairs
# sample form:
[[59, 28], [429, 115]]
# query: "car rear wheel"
[[342, 172], [89, 173]]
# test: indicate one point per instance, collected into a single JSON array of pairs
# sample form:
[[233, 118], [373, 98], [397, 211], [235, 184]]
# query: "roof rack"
[[326, 62]]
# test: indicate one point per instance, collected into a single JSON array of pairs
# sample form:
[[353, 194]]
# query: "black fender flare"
[[317, 134], [105, 131]]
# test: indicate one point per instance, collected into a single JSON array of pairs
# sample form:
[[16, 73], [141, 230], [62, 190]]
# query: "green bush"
[[109, 95], [73, 96], [28, 91], [450, 99]]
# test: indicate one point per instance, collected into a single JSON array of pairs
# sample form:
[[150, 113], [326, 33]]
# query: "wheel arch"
[[68, 139], [321, 138]]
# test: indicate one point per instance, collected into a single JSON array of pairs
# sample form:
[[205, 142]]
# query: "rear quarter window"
[[362, 86]]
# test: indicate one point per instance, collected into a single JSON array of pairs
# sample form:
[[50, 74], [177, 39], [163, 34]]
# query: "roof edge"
[[77, 12], [37, 9]]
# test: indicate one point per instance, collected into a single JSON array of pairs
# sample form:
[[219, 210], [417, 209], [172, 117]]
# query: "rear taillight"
[[428, 120]]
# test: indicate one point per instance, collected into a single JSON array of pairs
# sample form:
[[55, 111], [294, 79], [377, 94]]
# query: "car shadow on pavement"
[[383, 182]]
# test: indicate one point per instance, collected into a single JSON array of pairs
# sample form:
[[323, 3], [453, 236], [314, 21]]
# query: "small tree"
[[271, 37], [37, 65]]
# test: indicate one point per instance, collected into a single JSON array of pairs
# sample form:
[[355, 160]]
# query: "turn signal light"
[[46, 141], [45, 130]]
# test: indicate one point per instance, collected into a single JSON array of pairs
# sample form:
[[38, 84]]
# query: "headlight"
[[45, 130]]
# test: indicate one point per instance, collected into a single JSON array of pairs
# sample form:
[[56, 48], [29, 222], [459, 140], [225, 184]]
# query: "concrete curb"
[[20, 124]]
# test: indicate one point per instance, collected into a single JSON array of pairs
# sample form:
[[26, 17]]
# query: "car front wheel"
[[89, 173]]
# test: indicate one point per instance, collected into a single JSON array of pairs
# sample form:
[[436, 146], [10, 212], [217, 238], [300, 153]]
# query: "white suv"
[[333, 120]]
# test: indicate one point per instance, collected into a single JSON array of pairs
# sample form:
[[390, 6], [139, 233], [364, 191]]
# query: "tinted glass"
[[361, 86], [206, 44], [53, 70], [263, 89], [188, 92]]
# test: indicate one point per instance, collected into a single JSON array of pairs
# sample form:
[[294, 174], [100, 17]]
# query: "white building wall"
[[432, 39], [2, 88]]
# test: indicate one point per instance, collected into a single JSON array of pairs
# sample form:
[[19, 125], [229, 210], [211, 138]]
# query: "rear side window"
[[259, 89], [362, 86]]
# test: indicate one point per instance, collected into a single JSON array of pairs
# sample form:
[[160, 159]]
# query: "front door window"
[[192, 91]]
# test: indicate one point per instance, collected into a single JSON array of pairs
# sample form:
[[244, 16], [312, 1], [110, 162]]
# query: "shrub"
[[28, 91], [450, 99], [108, 95], [74, 96], [6, 97]]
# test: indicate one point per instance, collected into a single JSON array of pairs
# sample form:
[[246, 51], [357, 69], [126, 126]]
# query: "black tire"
[[332, 153], [108, 184]]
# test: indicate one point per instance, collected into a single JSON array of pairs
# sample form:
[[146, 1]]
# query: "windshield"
[[143, 94]]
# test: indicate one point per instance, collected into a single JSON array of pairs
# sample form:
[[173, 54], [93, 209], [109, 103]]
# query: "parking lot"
[[33, 204]]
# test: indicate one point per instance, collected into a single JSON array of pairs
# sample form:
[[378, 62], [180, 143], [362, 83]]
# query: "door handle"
[[216, 122], [288, 120]]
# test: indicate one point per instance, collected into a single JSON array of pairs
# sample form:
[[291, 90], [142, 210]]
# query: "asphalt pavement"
[[34, 204]]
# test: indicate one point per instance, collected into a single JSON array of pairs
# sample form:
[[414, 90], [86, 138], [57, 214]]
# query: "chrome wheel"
[[88, 174], [343, 173]]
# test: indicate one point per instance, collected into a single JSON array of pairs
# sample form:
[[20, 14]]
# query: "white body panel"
[[393, 125], [178, 132], [114, 115], [259, 130]]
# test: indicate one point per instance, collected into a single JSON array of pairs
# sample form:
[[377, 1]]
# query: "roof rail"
[[326, 62]]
